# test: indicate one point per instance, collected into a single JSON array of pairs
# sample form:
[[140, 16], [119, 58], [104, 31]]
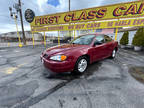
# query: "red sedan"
[[75, 56]]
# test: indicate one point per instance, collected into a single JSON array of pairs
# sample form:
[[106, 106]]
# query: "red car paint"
[[73, 52]]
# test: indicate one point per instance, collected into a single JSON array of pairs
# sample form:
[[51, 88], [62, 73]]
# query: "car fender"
[[76, 54]]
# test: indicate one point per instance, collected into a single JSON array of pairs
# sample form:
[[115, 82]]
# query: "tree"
[[138, 39], [125, 38]]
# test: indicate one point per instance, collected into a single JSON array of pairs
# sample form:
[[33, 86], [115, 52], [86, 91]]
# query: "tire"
[[81, 65], [113, 54]]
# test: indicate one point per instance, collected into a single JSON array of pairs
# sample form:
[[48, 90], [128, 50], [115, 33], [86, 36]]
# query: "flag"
[[54, 3]]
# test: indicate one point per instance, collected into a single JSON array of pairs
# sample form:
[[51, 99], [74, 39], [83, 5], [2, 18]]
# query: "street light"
[[11, 14], [18, 9], [14, 16]]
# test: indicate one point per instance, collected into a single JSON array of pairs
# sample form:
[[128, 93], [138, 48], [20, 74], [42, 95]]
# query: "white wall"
[[131, 35]]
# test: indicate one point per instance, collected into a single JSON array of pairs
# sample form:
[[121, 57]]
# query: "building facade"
[[13, 37]]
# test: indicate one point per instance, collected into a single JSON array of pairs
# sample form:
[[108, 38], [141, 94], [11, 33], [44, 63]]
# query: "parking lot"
[[106, 84]]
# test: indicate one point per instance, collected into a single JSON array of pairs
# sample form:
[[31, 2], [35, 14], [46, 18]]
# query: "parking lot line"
[[12, 69]]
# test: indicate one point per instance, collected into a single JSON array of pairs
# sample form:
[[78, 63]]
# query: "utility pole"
[[69, 23], [69, 6], [18, 9], [21, 18], [14, 16]]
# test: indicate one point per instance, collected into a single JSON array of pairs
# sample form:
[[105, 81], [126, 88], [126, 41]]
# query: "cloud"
[[41, 7], [40, 4]]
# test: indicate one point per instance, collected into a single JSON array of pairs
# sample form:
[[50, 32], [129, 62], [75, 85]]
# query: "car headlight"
[[58, 57]]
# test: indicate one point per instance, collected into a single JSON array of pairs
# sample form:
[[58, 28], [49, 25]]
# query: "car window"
[[100, 38], [107, 38], [84, 40]]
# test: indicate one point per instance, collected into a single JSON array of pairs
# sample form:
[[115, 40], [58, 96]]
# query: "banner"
[[116, 11], [95, 25]]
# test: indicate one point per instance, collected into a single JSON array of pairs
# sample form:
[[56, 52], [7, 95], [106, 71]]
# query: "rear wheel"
[[81, 65]]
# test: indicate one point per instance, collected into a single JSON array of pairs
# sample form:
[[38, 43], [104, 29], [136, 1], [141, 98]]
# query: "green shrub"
[[125, 38], [138, 39]]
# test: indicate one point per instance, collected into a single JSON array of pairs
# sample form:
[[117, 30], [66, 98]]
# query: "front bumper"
[[58, 67]]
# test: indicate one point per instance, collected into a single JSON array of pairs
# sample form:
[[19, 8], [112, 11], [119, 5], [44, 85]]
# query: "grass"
[[137, 73]]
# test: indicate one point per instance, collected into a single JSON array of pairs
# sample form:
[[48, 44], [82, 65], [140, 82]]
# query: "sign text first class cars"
[[123, 10]]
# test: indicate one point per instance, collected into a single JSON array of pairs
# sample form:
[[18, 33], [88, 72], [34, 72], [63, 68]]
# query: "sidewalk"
[[16, 44]]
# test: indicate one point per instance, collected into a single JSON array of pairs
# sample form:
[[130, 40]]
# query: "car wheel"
[[113, 54], [81, 65]]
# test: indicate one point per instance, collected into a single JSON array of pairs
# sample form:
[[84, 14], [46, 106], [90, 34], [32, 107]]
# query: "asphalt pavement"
[[106, 84]]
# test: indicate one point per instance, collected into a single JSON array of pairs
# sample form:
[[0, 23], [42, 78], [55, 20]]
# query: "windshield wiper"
[[76, 43]]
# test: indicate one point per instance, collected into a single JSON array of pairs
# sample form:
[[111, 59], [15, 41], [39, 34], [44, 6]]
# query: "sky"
[[44, 7]]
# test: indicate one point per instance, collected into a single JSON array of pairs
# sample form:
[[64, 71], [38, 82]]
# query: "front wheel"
[[81, 65], [113, 54]]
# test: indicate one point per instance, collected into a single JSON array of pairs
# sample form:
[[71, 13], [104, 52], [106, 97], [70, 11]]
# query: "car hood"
[[66, 48]]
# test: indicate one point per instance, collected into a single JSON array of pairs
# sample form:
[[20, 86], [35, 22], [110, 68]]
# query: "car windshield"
[[83, 40]]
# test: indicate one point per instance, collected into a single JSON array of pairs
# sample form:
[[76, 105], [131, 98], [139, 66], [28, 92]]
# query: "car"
[[79, 53]]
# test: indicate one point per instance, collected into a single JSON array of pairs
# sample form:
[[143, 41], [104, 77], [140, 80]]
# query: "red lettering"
[[74, 18], [57, 18], [110, 24], [51, 19], [44, 21], [83, 16], [116, 11], [37, 21], [91, 14], [67, 17], [97, 24], [141, 9], [101, 13], [131, 10]]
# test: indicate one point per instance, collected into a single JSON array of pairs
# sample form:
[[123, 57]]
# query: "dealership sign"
[[94, 25], [29, 15], [123, 10]]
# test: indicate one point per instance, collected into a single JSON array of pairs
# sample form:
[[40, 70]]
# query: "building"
[[13, 37]]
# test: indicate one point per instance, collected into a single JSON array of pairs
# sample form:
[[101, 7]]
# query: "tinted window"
[[107, 38], [84, 40]]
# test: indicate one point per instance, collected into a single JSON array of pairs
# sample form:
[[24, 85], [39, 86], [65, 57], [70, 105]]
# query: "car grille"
[[45, 56]]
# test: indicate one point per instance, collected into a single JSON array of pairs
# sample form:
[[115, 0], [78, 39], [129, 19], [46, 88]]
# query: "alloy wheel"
[[82, 65]]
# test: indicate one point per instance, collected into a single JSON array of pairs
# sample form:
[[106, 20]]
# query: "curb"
[[22, 47]]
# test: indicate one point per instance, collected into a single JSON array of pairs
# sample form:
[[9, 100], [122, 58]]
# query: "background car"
[[76, 55]]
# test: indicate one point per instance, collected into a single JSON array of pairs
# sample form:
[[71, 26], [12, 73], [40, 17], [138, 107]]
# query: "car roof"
[[96, 34]]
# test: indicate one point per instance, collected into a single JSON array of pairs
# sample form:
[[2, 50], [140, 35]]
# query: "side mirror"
[[69, 41], [97, 43]]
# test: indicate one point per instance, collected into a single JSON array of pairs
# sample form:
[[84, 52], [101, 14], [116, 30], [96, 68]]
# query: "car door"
[[108, 45], [99, 48]]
